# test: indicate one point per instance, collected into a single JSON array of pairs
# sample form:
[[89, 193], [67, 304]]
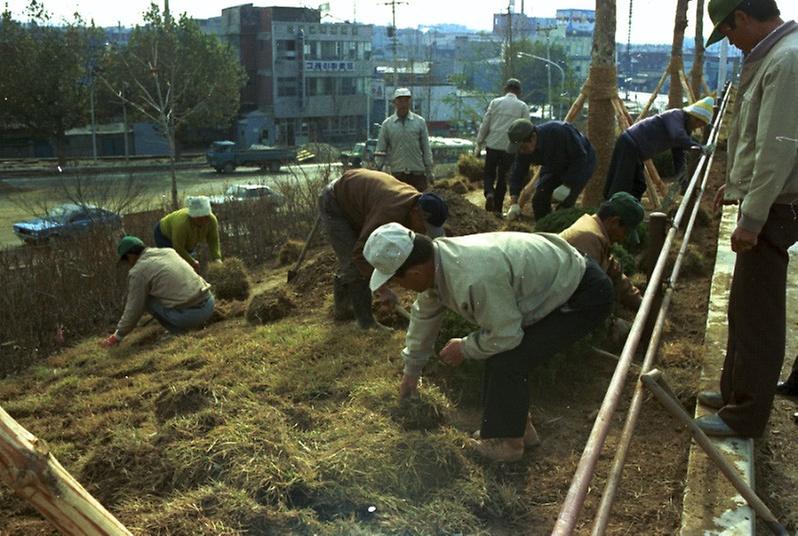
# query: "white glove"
[[708, 149], [477, 151], [514, 212], [560, 193]]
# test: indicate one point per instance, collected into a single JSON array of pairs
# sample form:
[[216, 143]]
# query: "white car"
[[247, 192]]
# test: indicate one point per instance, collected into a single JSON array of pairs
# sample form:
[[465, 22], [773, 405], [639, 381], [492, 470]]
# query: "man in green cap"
[[593, 235], [762, 177], [161, 282]]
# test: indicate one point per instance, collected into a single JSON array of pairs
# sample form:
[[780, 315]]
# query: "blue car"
[[65, 220]]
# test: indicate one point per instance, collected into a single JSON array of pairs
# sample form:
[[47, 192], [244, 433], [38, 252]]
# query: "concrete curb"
[[711, 504]]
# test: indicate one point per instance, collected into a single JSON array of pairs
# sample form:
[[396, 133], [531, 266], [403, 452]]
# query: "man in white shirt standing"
[[403, 144], [502, 111]]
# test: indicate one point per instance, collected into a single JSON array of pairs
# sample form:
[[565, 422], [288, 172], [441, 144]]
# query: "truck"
[[224, 156]]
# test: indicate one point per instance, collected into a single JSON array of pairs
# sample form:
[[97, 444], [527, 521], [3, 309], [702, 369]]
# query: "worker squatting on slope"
[[182, 230]]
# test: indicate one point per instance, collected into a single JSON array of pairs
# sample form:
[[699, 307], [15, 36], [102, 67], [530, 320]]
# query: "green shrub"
[[559, 220], [626, 259]]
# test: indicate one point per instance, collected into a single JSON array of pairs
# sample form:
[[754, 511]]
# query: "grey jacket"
[[405, 143], [499, 281], [762, 158], [502, 111]]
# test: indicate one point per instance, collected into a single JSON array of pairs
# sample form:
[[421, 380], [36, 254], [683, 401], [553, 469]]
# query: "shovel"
[[293, 271]]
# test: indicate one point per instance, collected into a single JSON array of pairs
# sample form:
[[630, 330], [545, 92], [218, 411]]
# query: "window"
[[286, 87], [347, 86], [316, 86], [328, 50], [333, 29], [354, 30], [286, 48], [344, 30], [322, 29], [313, 28]]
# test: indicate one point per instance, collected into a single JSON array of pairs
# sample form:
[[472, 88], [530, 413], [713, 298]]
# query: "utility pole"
[[393, 35], [509, 71]]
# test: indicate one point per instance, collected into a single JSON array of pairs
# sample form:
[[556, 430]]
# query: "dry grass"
[[229, 279]]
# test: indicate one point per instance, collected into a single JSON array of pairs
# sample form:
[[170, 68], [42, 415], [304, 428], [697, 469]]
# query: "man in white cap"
[[182, 230], [762, 176], [403, 144], [651, 136], [531, 296], [502, 111]]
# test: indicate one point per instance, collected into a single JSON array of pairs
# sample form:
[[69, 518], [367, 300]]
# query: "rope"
[[601, 83]]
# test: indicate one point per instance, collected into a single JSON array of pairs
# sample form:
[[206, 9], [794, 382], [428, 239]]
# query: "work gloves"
[[514, 212], [111, 340], [708, 149], [561, 193], [477, 151]]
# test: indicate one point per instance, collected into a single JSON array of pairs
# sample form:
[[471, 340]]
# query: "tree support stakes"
[[28, 468], [655, 382]]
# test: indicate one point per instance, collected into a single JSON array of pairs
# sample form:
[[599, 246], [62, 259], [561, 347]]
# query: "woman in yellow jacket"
[[182, 230]]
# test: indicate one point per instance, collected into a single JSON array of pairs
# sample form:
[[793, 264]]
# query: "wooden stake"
[[653, 95], [34, 474]]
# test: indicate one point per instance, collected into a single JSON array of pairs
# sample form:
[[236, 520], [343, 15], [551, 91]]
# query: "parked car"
[[66, 220], [245, 192], [361, 155], [225, 157]]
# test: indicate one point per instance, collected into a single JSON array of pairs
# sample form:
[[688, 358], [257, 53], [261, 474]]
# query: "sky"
[[652, 21]]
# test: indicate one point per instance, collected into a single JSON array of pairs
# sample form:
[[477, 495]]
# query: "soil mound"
[[465, 217], [270, 306], [289, 253]]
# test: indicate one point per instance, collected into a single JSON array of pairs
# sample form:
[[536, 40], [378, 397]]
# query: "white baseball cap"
[[198, 206], [386, 250], [401, 92]]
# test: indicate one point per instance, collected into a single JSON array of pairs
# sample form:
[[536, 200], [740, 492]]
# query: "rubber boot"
[[342, 300], [360, 293]]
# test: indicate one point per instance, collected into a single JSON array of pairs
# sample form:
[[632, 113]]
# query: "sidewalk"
[[711, 505]]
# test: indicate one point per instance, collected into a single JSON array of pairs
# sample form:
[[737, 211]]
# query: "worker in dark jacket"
[[651, 136], [351, 208], [567, 159]]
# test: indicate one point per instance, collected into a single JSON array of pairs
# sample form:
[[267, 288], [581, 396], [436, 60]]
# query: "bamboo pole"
[[653, 95], [33, 473], [686, 85]]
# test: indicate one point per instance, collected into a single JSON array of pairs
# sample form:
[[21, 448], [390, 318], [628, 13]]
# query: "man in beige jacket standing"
[[501, 113], [762, 177]]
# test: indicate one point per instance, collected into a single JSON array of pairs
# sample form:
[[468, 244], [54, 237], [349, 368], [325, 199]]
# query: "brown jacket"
[[588, 235], [369, 199]]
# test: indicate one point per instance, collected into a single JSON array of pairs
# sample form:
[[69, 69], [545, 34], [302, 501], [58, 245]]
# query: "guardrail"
[[577, 493]]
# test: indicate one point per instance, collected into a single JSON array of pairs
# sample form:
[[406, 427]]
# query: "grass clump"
[[229, 279], [290, 251], [269, 306], [471, 167], [559, 220]]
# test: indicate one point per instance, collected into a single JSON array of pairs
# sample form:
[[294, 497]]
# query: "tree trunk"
[[602, 89], [170, 134], [697, 73], [34, 474], [675, 97]]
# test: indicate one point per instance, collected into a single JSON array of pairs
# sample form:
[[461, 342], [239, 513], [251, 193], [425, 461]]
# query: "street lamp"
[[548, 62]]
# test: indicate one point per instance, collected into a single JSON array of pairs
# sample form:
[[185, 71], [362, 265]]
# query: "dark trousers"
[[625, 173], [505, 388], [757, 325], [161, 241], [416, 180], [497, 165], [549, 181]]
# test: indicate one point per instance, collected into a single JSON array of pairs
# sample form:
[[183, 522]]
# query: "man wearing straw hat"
[[182, 230], [762, 176], [651, 136]]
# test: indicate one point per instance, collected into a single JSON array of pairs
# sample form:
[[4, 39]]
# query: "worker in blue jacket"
[[567, 161], [651, 136]]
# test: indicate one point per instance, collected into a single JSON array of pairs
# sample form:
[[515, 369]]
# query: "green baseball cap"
[[718, 11], [126, 244], [631, 212], [520, 131]]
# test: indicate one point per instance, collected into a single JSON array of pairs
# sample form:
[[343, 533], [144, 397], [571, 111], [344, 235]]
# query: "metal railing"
[[577, 493]]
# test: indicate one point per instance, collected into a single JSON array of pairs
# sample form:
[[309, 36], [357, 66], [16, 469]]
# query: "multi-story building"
[[307, 80]]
